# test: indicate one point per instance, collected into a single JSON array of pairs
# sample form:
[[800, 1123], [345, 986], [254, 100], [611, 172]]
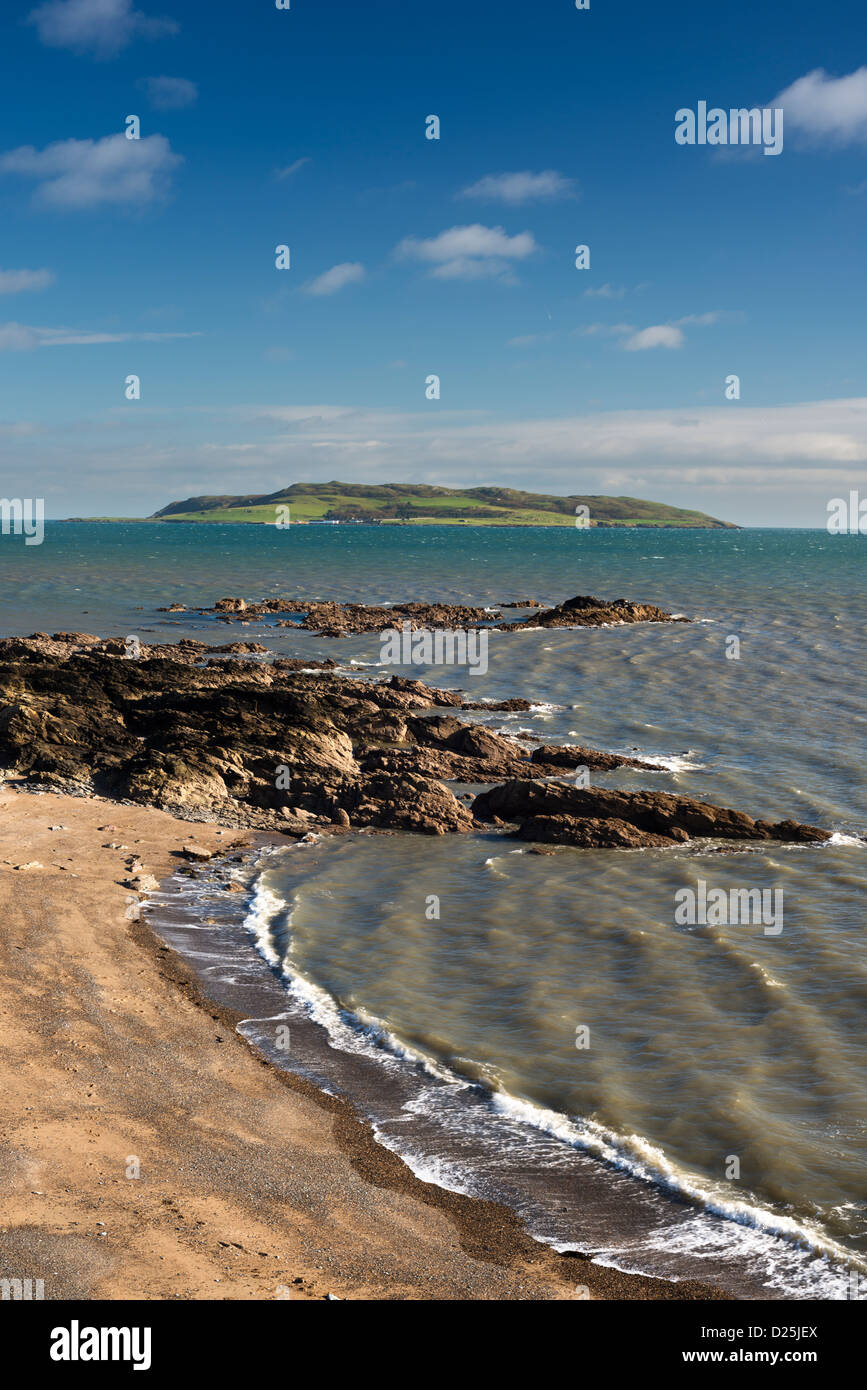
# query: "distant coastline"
[[420, 521]]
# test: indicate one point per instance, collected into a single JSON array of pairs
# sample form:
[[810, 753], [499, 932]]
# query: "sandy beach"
[[252, 1184]]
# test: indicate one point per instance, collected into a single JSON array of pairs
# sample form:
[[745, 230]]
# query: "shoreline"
[[224, 1135]]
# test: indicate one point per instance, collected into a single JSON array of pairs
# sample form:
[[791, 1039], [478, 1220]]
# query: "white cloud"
[[823, 107], [524, 187], [469, 253], [87, 173], [14, 281], [347, 273], [21, 337], [170, 93], [666, 335], [99, 27], [291, 168], [605, 292], [474, 268]]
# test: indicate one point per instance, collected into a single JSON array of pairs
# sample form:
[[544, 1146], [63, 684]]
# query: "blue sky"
[[452, 257]]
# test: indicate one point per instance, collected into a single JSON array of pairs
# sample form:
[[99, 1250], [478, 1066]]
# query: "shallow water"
[[725, 1061]]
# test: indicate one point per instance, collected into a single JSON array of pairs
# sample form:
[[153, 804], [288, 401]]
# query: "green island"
[[420, 504]]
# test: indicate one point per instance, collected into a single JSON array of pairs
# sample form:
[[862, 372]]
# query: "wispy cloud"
[[819, 435], [14, 281], [21, 337], [170, 93], [101, 28], [605, 330], [657, 335], [666, 335], [605, 292], [820, 107], [530, 339], [469, 253], [337, 278], [291, 169], [523, 187], [78, 174]]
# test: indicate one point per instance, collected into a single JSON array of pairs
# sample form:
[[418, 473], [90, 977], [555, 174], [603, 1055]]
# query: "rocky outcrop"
[[240, 739], [555, 759], [254, 742], [586, 611], [343, 619], [557, 813], [329, 619], [63, 645], [589, 832]]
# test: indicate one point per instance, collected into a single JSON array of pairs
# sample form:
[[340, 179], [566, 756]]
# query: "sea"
[[682, 1098]]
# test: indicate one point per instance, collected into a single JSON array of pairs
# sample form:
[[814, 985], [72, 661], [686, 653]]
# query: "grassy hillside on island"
[[401, 503]]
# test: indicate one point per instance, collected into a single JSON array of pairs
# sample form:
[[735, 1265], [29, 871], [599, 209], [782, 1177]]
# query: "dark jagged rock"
[[552, 811], [586, 611], [240, 739], [429, 693], [332, 619], [589, 833], [499, 706], [251, 742], [441, 761], [571, 756]]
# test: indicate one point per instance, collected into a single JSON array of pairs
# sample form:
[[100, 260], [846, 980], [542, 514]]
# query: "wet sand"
[[252, 1183]]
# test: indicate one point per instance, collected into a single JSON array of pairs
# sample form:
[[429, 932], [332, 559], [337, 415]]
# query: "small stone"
[[142, 883], [196, 852]]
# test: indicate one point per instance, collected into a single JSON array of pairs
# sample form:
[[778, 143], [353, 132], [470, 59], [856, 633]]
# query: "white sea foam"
[[673, 762], [637, 1156], [350, 1031], [772, 1236], [435, 1171]]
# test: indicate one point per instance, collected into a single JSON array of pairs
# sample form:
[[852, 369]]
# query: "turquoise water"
[[707, 1043]]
